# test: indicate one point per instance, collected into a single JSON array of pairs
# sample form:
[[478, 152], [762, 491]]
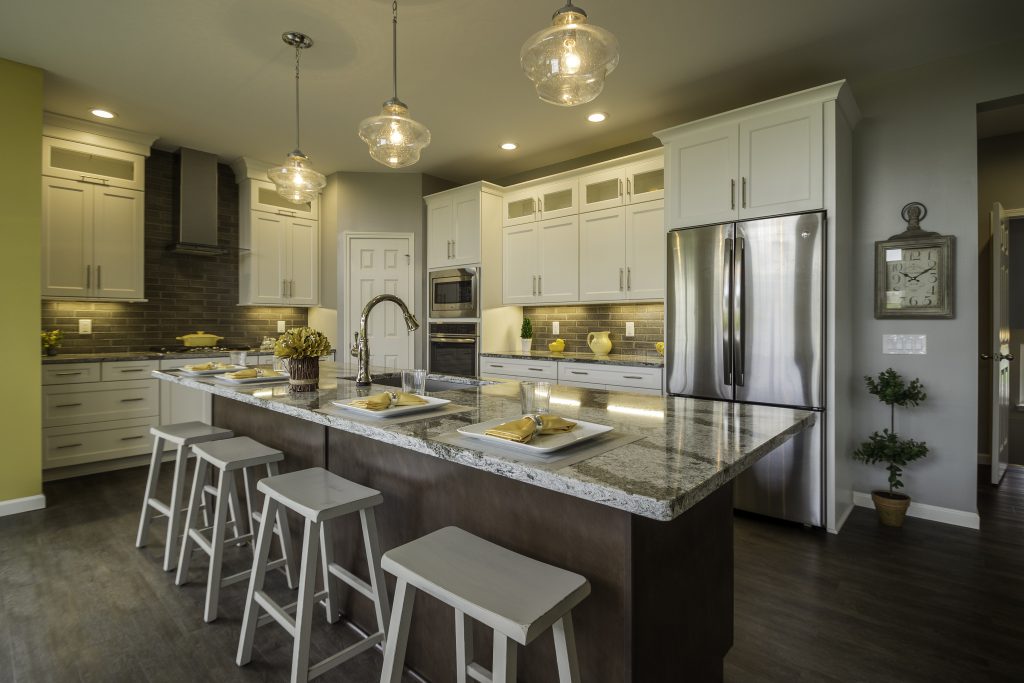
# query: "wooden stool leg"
[[238, 526], [284, 535], [208, 501], [398, 633], [259, 573], [306, 603], [249, 485], [503, 668], [463, 645], [331, 603], [151, 482], [217, 537], [174, 519], [380, 590], [191, 522], [565, 650]]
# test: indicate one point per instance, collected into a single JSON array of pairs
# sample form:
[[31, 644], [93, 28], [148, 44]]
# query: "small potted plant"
[[51, 341], [526, 335], [302, 347], [887, 447]]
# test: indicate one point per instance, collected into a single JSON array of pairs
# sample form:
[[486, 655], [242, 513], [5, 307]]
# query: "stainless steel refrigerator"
[[745, 316]]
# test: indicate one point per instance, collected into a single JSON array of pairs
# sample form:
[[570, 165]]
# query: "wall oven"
[[455, 293], [454, 348]]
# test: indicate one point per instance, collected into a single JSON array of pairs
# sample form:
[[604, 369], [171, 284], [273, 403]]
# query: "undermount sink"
[[431, 384]]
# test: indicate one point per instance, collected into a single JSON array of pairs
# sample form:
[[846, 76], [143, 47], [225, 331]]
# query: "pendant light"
[[296, 180], [569, 60], [394, 138]]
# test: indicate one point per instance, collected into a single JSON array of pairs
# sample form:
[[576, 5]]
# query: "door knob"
[[986, 356], [1006, 356]]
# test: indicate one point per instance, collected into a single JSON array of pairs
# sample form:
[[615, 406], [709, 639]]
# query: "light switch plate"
[[905, 344], [554, 327], [280, 326], [630, 329], [84, 326]]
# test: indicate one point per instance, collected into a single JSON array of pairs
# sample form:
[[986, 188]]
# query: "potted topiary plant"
[[526, 335], [887, 447], [302, 346]]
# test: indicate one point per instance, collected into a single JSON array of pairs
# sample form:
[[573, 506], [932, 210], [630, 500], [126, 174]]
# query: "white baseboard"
[[933, 513], [18, 505]]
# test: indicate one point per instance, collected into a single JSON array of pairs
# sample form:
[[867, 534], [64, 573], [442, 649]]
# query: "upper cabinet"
[[631, 183], [263, 196], [622, 253], [541, 262], [536, 202], [456, 220], [93, 164]]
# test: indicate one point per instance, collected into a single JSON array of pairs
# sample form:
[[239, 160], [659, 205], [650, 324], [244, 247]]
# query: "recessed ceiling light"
[[597, 117], [509, 146], [103, 113]]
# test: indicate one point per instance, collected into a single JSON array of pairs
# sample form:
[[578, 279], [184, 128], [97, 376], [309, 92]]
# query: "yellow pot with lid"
[[199, 338], [557, 346]]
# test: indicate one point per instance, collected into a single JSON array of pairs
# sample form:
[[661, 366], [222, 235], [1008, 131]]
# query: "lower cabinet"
[[181, 404], [519, 368], [638, 379]]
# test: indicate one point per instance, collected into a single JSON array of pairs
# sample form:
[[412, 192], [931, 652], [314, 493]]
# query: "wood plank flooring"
[[930, 602]]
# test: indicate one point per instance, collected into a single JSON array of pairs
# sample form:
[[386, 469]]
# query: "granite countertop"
[[111, 356], [689, 447], [577, 357]]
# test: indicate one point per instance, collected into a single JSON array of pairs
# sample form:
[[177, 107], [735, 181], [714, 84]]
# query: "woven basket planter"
[[891, 510], [303, 374]]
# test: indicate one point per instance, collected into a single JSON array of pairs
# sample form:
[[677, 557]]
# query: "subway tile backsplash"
[[576, 321]]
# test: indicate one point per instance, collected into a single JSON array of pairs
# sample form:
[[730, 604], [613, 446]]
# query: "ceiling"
[[215, 75]]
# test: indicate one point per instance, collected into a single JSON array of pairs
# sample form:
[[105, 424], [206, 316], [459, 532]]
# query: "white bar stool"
[[319, 497], [183, 435], [516, 596], [228, 456]]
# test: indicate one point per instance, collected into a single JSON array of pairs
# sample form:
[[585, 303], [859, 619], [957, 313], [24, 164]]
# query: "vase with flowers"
[[302, 347], [51, 341]]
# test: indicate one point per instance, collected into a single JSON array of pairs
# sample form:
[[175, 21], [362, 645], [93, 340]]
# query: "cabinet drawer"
[[78, 444], [519, 367], [128, 369], [99, 402], [71, 373], [611, 375]]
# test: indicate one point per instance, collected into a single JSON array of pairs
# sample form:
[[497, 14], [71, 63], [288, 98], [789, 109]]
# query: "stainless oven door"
[[451, 355], [454, 293]]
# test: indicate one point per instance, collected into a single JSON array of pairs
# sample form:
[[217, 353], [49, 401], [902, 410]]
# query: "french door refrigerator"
[[745, 322]]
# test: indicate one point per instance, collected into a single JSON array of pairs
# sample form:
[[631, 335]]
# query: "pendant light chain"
[[394, 46], [298, 51]]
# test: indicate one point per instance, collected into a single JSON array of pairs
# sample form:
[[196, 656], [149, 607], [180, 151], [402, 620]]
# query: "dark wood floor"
[[929, 602]]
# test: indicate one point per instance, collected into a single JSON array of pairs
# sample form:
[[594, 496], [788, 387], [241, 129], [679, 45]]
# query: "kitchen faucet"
[[361, 348]]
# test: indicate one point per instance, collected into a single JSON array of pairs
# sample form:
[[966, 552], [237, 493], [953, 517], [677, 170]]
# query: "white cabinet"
[[93, 164], [641, 379], [440, 224], [752, 166], [640, 181], [646, 254], [180, 403], [454, 225], [279, 264], [541, 262], [519, 368], [555, 199], [519, 207], [263, 196], [519, 266], [622, 253], [93, 240]]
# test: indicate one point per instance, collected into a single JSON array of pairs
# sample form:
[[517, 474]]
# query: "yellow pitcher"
[[599, 343]]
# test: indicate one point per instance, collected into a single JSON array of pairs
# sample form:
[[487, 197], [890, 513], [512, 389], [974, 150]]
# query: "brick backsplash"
[[576, 321], [186, 293]]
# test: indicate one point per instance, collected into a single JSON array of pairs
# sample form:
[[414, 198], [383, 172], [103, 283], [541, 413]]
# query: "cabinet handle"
[[134, 370], [495, 365], [629, 188], [68, 374], [732, 194], [131, 400], [99, 277], [70, 445], [744, 192], [286, 212], [629, 278], [535, 285], [536, 369], [67, 405], [92, 180], [540, 286], [131, 438], [540, 205], [632, 377], [284, 289], [620, 279], [577, 372], [291, 288], [88, 277], [620, 187]]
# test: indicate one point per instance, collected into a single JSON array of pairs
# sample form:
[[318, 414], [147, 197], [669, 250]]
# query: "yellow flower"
[[302, 342]]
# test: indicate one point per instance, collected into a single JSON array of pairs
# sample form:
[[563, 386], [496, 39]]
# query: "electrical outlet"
[[630, 330], [904, 344], [85, 326], [554, 327], [281, 326]]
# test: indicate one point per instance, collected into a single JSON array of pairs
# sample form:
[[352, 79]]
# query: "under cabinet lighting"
[[509, 146], [103, 113]]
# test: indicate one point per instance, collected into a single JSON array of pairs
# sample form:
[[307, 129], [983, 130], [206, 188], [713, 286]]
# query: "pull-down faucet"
[[361, 348]]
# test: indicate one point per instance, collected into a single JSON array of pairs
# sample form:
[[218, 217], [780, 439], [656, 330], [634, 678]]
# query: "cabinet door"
[[264, 263], [602, 265], [645, 181], [558, 259], [118, 243], [303, 263], [781, 162], [702, 171], [519, 264], [466, 230], [646, 250], [95, 165], [519, 207], [558, 199], [440, 223], [67, 238], [602, 189], [180, 403], [263, 196]]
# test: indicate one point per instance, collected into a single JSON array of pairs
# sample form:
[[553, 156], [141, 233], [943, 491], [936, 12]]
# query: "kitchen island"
[[649, 523]]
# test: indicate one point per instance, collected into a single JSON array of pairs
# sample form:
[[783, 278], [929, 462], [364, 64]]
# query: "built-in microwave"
[[455, 293]]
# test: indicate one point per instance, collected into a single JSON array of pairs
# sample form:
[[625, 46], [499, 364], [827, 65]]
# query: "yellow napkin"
[[524, 429], [249, 373], [212, 365], [382, 401]]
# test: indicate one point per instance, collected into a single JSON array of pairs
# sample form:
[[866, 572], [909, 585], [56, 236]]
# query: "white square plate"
[[394, 411], [283, 377], [545, 443], [215, 371]]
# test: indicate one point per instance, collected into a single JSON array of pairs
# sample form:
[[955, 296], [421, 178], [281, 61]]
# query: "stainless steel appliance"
[[455, 293], [746, 323], [454, 348]]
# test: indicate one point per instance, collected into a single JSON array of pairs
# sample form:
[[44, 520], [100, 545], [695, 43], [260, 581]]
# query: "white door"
[[519, 264], [118, 243], [519, 206], [268, 253], [1001, 342], [558, 259], [602, 261], [781, 162], [702, 170], [466, 228], [440, 221], [646, 247], [303, 262], [382, 265], [67, 238]]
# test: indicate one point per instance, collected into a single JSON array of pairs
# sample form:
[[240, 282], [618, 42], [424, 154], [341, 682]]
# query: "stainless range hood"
[[197, 215]]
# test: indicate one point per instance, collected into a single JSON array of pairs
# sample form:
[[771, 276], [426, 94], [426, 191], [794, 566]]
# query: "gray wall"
[[918, 142]]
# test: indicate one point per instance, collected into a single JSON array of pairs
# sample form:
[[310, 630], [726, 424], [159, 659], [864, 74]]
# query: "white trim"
[[98, 134], [18, 505], [1013, 213], [842, 517], [933, 513]]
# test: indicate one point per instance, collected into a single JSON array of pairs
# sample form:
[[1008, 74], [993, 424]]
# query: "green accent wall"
[[21, 129]]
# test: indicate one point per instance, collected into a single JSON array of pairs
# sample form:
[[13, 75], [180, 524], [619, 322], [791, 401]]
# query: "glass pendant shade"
[[296, 181], [568, 61], [394, 139]]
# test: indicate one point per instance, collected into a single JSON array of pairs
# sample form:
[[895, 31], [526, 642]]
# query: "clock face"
[[914, 278]]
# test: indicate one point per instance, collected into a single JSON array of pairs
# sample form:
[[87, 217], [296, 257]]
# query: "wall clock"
[[914, 271]]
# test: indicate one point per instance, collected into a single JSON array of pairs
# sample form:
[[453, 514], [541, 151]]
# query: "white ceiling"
[[214, 74]]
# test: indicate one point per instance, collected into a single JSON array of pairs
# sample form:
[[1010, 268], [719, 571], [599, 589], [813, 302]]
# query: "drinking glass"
[[414, 381], [542, 397], [237, 357], [528, 397]]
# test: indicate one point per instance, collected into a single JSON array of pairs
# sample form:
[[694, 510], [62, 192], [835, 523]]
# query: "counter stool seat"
[[183, 435], [516, 596]]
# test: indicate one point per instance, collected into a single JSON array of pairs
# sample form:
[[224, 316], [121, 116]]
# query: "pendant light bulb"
[[568, 61], [394, 138], [296, 180]]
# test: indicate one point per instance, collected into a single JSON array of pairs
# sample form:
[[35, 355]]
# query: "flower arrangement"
[[51, 341], [302, 342]]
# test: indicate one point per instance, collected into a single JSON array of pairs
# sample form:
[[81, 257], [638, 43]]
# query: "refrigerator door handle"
[[739, 299], [727, 311]]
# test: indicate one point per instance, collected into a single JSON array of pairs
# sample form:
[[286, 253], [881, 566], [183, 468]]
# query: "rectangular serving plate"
[[251, 380], [395, 411], [215, 371], [546, 443]]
